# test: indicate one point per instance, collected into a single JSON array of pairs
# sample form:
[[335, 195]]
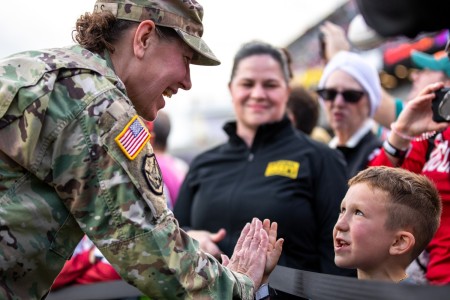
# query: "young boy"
[[387, 218]]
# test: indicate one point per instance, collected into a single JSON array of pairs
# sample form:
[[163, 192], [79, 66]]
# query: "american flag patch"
[[133, 138]]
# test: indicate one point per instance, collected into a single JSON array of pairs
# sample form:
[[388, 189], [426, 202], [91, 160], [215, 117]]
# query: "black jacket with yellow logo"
[[285, 176]]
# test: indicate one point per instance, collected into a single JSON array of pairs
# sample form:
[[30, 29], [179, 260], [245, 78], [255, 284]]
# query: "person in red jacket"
[[408, 146], [87, 265]]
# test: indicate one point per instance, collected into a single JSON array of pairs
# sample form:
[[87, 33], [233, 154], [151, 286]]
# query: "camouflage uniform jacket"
[[62, 175]]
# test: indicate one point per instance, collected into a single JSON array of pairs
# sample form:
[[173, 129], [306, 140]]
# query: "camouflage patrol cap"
[[184, 16]]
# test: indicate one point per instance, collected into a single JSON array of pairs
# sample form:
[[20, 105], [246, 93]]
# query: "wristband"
[[422, 137], [262, 292], [393, 151]]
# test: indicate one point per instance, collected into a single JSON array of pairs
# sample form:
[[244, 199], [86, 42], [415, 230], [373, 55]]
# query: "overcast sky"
[[31, 24]]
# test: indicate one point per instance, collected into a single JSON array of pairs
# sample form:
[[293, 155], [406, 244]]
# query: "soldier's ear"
[[143, 36]]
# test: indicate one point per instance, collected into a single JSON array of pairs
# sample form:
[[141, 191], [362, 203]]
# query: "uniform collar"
[[107, 57]]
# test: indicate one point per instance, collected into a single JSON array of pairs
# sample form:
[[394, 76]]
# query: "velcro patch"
[[286, 168], [133, 138], [102, 6], [152, 174]]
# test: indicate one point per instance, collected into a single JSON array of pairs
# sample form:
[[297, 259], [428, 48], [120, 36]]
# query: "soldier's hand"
[[250, 253]]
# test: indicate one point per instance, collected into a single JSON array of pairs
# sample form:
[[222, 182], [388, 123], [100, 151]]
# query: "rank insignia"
[[152, 174], [133, 138]]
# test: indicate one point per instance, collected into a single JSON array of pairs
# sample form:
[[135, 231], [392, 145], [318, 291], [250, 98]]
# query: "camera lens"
[[444, 107]]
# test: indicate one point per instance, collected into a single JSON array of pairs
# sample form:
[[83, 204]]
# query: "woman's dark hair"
[[282, 56], [305, 108], [99, 31]]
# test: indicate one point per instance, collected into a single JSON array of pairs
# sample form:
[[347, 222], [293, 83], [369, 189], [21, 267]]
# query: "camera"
[[441, 105]]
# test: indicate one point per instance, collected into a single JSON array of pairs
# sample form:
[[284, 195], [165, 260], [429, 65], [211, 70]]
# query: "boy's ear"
[[403, 243]]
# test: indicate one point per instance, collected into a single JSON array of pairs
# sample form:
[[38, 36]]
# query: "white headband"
[[363, 72]]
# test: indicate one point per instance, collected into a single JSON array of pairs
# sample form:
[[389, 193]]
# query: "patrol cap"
[[438, 61], [184, 16]]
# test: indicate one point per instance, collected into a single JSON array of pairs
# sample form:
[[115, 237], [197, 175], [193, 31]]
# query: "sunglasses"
[[350, 96]]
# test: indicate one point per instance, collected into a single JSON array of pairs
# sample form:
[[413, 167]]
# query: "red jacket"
[[79, 270]]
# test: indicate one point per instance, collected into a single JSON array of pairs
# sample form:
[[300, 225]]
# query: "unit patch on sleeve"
[[152, 174], [133, 138], [286, 168]]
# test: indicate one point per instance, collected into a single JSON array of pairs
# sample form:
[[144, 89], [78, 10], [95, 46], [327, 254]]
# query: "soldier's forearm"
[[166, 263]]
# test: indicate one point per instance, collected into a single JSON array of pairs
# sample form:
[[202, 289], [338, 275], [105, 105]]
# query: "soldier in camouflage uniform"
[[75, 158]]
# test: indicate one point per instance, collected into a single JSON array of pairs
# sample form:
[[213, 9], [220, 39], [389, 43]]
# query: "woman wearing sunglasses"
[[350, 91]]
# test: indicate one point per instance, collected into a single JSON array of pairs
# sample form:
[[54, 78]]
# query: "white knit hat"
[[362, 71]]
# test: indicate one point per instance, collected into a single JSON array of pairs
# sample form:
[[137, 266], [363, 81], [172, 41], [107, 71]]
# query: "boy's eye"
[[359, 213], [342, 210]]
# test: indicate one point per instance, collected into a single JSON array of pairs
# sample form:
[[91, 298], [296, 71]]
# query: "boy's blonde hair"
[[413, 202]]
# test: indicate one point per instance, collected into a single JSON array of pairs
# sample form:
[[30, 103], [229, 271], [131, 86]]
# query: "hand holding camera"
[[417, 120], [441, 105], [332, 39]]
